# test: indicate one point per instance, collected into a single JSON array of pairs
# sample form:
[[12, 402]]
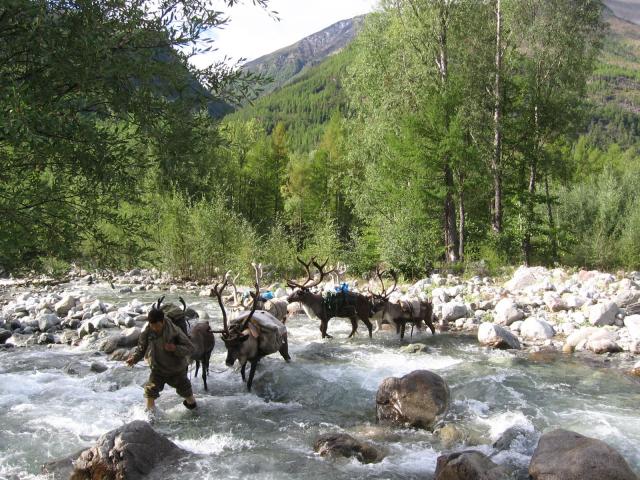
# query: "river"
[[47, 412]]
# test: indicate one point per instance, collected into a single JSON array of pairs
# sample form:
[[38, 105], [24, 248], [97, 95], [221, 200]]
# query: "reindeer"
[[200, 334], [251, 335], [401, 312], [343, 304], [275, 306]]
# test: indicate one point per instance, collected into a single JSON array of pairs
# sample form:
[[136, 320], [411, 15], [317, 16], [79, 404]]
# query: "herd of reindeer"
[[259, 329]]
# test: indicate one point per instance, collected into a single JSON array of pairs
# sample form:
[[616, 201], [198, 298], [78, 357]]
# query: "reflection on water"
[[46, 413]]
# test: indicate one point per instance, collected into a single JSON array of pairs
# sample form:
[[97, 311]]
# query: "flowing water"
[[47, 412]]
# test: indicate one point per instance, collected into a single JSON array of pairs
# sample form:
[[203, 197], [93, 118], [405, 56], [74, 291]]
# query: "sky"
[[253, 33]]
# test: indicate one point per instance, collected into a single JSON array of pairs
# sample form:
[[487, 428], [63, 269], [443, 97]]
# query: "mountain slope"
[[307, 100], [286, 64]]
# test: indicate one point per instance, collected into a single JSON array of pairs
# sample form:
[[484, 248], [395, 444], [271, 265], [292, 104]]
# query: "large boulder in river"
[[492, 335], [565, 455], [469, 465], [4, 335], [343, 445], [632, 322], [419, 399], [129, 452], [527, 277]]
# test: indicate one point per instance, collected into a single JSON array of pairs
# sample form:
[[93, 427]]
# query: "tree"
[[89, 90]]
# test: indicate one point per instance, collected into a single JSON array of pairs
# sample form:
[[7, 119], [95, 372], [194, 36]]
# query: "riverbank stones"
[[495, 336], [419, 399]]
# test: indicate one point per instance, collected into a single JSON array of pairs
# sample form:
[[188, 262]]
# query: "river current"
[[48, 411]]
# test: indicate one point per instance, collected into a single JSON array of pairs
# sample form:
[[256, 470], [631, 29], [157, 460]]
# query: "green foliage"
[[201, 239]]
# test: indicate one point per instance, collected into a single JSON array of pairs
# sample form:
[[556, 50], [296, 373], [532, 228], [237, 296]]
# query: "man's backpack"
[[180, 316]]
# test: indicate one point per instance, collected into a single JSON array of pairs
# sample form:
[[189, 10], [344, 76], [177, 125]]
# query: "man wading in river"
[[166, 349]]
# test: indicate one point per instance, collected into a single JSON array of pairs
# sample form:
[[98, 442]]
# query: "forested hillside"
[[456, 135]]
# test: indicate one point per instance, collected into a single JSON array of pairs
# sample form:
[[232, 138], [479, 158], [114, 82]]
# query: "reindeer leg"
[[254, 364], [244, 365], [377, 326], [284, 351], [354, 326], [323, 328], [197, 367], [205, 369], [369, 325]]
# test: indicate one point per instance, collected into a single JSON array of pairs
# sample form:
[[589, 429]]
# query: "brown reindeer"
[[251, 336], [402, 312], [341, 304]]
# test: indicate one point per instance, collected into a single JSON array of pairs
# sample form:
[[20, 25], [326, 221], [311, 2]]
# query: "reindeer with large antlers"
[[251, 335], [402, 311], [343, 304]]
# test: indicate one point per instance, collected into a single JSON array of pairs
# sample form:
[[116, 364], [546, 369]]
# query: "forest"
[[457, 135]]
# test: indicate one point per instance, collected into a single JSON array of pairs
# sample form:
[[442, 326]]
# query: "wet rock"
[[4, 335], [120, 355], [507, 312], [46, 339], [536, 329], [603, 314], [415, 348], [565, 455], [419, 399], [129, 452], [110, 344], [469, 465], [61, 469], [451, 435], [98, 367], [512, 435], [495, 336], [343, 445]]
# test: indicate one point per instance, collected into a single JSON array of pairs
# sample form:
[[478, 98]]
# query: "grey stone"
[[4, 335], [343, 445], [495, 336], [129, 452], [536, 329], [64, 305], [419, 399], [507, 312], [566, 455], [98, 367], [603, 314], [453, 310], [469, 465]]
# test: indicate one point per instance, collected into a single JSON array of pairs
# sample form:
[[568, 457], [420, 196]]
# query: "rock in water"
[[469, 465], [343, 445], [565, 455], [129, 452], [495, 336], [419, 399]]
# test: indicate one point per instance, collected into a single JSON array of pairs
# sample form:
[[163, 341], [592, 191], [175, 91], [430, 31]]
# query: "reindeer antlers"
[[218, 293], [384, 295], [310, 282]]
